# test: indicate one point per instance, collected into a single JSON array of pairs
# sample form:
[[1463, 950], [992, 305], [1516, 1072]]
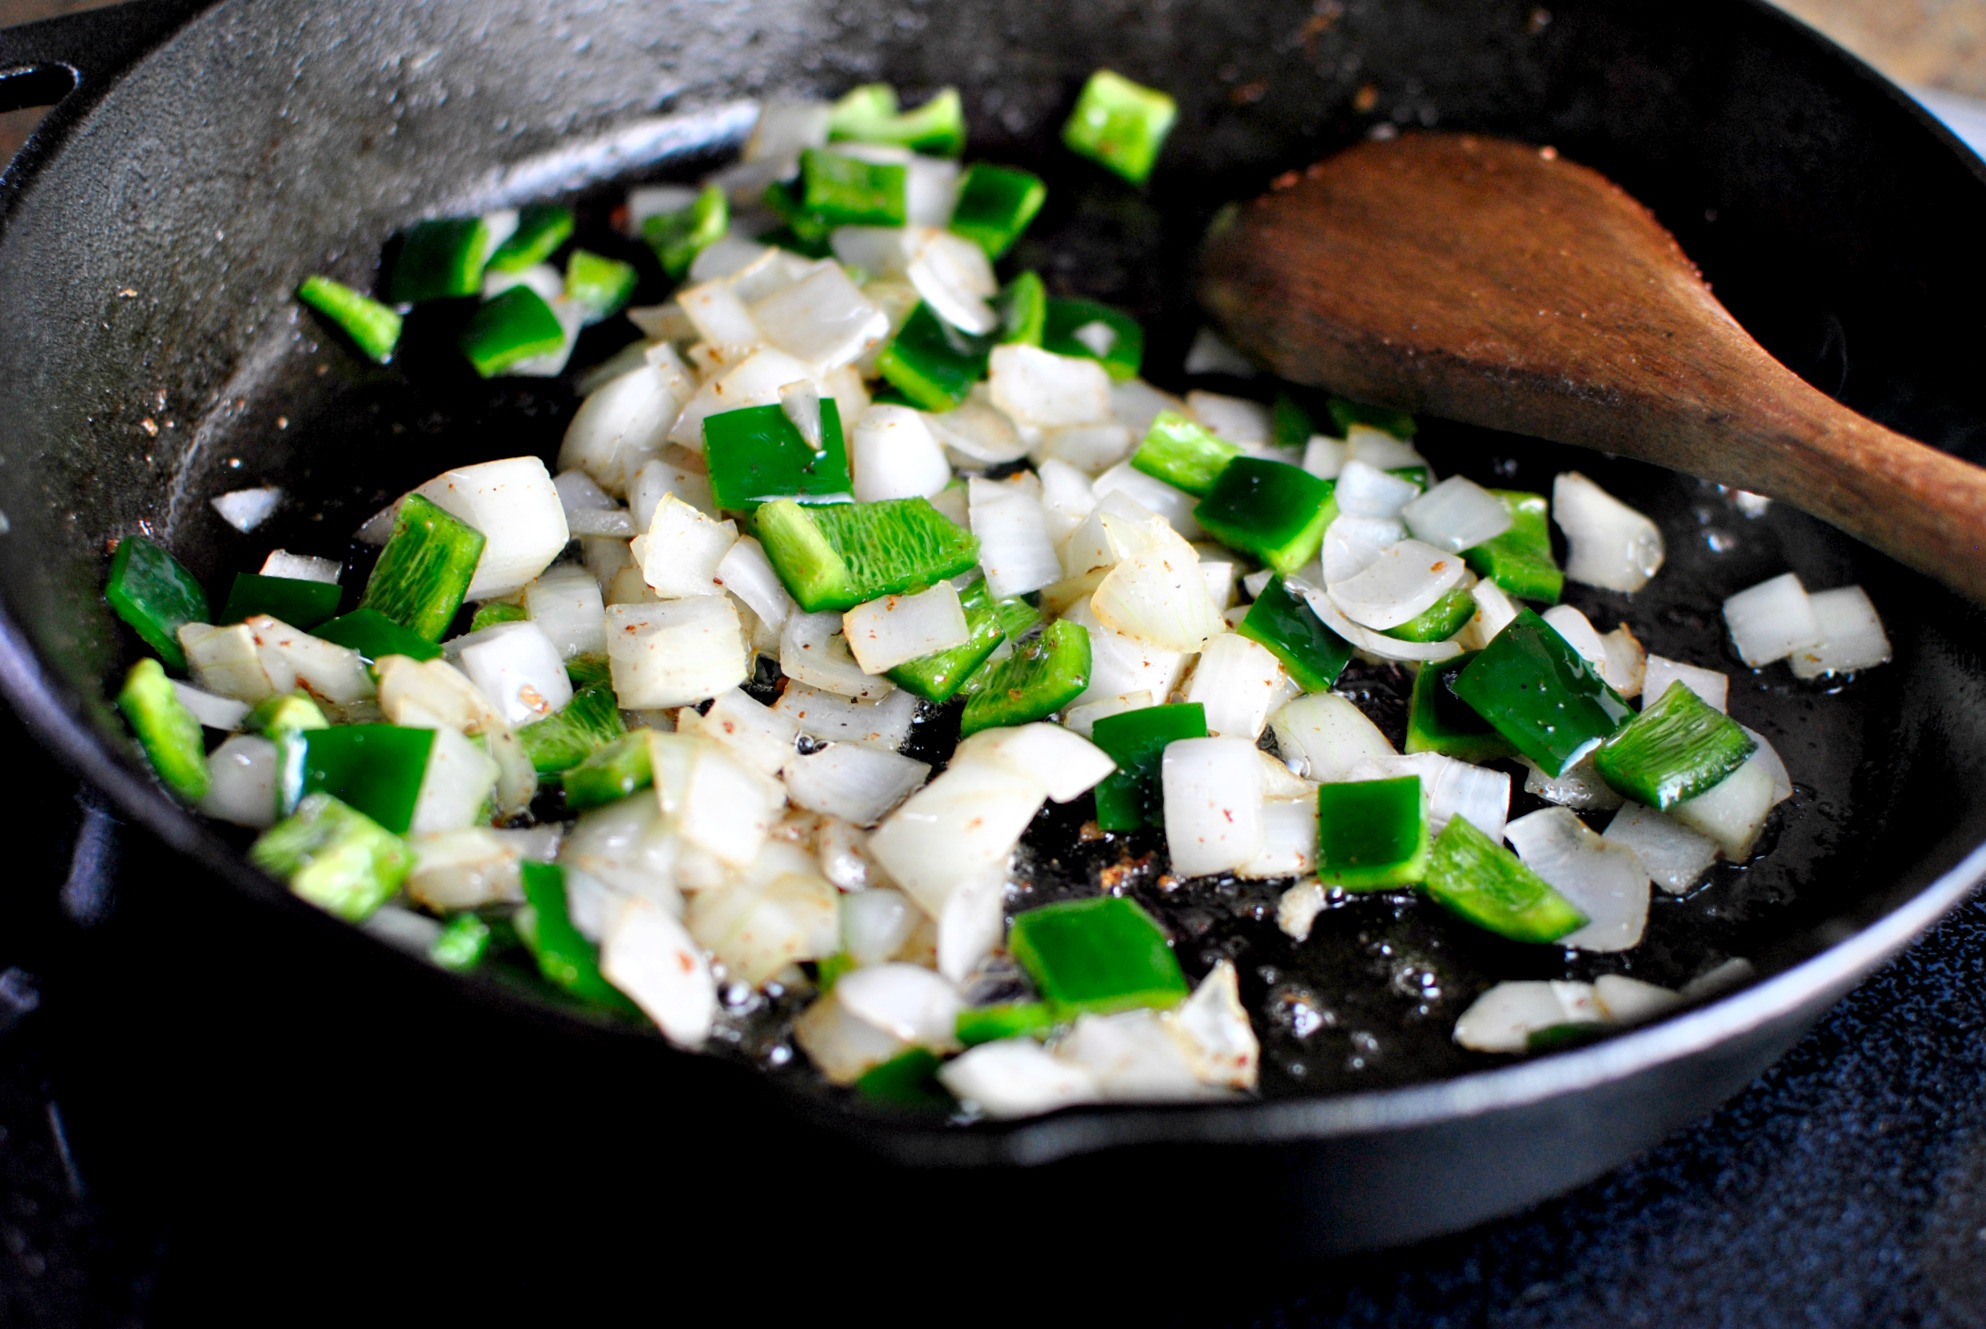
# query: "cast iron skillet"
[[152, 356]]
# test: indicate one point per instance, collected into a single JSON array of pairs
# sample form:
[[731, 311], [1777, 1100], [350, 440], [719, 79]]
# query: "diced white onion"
[[1476, 794], [1627, 664], [1673, 854], [1065, 765], [292, 658], [1580, 634], [1090, 448], [1039, 388], [224, 661], [972, 925], [516, 507], [246, 509], [476, 866], [301, 567], [783, 913], [1733, 811], [1016, 1077], [1082, 719], [1376, 447], [1708, 684], [875, 924], [1175, 505], [1456, 515], [241, 782], [649, 955], [211, 709], [824, 715], [1625, 1000], [813, 651], [1121, 664], [758, 735], [1605, 881], [1504, 1018], [755, 382], [1213, 804], [626, 419], [1495, 611], [1157, 595], [747, 573], [682, 549], [1324, 456], [1297, 909], [1771, 620], [1579, 787], [675, 652], [1851, 635], [1353, 544], [1012, 528], [1211, 354], [657, 479], [856, 783], [955, 829], [1324, 737], [1372, 643], [955, 278], [1235, 419], [1239, 682], [1766, 757], [1364, 490], [1608, 543], [518, 668], [1289, 840], [566, 605], [1402, 583], [456, 787], [884, 633], [976, 431], [1066, 499], [1136, 403], [821, 320], [894, 455]]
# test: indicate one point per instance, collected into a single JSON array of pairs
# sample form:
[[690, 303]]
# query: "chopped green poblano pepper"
[[995, 205], [296, 601], [936, 677], [574, 732], [1010, 1019], [1541, 695], [1439, 721], [757, 453], [462, 944], [1372, 834], [565, 957], [1679, 746], [1290, 628], [1088, 330], [1270, 510], [1183, 453], [154, 593], [166, 730], [1520, 560], [286, 713], [375, 636], [1133, 795], [541, 229], [1345, 413], [678, 237], [373, 327], [907, 1080], [1041, 677], [1097, 956], [1120, 124], [1290, 426], [1477, 878], [517, 325], [869, 114], [376, 769], [495, 612], [334, 856], [839, 555], [1023, 310], [931, 362], [440, 259], [599, 285], [586, 670], [425, 569], [1440, 620], [840, 190], [610, 772]]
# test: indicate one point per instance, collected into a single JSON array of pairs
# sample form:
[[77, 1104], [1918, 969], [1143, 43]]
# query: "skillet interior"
[[265, 141]]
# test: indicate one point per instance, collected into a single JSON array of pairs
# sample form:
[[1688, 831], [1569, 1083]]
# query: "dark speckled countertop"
[[1846, 1187]]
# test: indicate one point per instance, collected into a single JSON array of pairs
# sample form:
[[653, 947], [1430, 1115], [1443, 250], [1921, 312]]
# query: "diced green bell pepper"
[[1541, 695], [1313, 654], [757, 453], [1485, 883], [515, 326], [931, 362], [1270, 510], [1042, 676], [541, 229], [840, 190], [154, 593], [1345, 413], [1120, 125], [376, 769], [839, 555], [1520, 560], [1010, 1019], [574, 732], [1440, 620], [1133, 795], [678, 237], [565, 957], [599, 285], [1679, 746], [440, 259], [1439, 721], [1023, 309], [462, 944], [610, 772], [373, 327], [869, 114], [1109, 336], [1096, 956], [936, 677], [494, 613], [1183, 453], [995, 205], [375, 636], [907, 1080], [168, 733], [1290, 426], [296, 601], [424, 571], [1372, 834], [335, 857], [286, 713]]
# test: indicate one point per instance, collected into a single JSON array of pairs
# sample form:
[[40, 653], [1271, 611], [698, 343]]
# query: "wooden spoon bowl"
[[1498, 284]]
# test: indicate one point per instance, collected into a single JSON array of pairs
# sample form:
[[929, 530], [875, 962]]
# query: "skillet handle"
[[43, 63]]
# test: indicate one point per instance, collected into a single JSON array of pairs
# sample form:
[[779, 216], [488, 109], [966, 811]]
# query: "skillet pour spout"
[[153, 358]]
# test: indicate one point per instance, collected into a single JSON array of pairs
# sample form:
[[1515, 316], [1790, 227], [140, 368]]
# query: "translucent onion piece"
[[246, 509], [566, 605], [1134, 1057], [822, 320], [1733, 811], [1324, 737], [771, 272], [955, 278], [813, 651], [514, 504], [955, 830], [1624, 1000], [659, 478], [1353, 544], [1091, 448], [1135, 404], [1708, 684], [1082, 719], [1372, 643], [1297, 909], [886, 632], [434, 694], [784, 130], [1580, 634], [212, 710], [1364, 490], [882, 250], [1211, 354], [747, 573], [1580, 787], [301, 567], [628, 418], [893, 454], [1376, 447], [456, 788], [1289, 840], [1039, 388], [1324, 456], [972, 926], [1175, 505], [875, 924], [1213, 804], [628, 846], [293, 659], [1239, 683], [1771, 620], [676, 652], [1608, 543], [1016, 1077], [517, 667], [1627, 664], [855, 783], [543, 278], [1215, 1030], [1065, 765], [801, 404], [476, 866], [755, 733], [241, 782], [1402, 583], [1673, 854], [911, 1004], [841, 1045], [1066, 499], [823, 715], [1456, 514], [783, 913], [1606, 881], [977, 430], [1494, 612], [1476, 794], [1235, 419], [650, 956], [1504, 1018], [756, 381], [1851, 635], [645, 201]]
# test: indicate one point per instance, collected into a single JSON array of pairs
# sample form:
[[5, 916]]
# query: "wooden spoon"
[[1499, 284]]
